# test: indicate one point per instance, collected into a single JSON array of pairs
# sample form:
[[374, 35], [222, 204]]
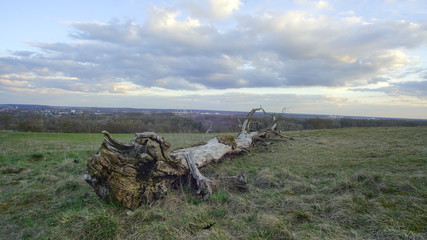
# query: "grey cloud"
[[413, 88], [410, 88], [116, 32], [414, 72], [14, 65], [379, 79], [287, 49], [22, 53]]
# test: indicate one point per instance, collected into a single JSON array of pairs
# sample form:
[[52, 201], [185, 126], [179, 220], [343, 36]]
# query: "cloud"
[[411, 88], [112, 32], [224, 8], [321, 5], [212, 9], [179, 49], [416, 72]]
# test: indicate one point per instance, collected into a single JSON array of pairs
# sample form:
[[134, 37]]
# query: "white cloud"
[[321, 4], [224, 8], [211, 10]]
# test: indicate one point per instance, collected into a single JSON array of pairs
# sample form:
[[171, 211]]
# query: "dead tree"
[[143, 170]]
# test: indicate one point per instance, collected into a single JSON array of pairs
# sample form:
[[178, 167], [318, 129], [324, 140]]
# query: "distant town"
[[43, 118], [61, 110], [65, 110]]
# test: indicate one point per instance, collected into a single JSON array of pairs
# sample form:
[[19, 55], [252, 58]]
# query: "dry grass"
[[360, 183]]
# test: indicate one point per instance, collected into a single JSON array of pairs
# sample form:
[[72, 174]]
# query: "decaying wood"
[[237, 182], [143, 170], [135, 173], [204, 185]]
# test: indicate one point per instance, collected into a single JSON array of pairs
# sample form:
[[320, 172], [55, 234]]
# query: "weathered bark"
[[134, 173], [143, 170]]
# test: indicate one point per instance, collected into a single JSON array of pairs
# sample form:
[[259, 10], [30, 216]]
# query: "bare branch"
[[209, 129], [204, 185]]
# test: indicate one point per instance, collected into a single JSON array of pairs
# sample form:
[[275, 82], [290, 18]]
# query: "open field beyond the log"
[[354, 183]]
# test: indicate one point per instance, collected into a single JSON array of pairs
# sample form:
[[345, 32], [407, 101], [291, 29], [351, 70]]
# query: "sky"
[[353, 58]]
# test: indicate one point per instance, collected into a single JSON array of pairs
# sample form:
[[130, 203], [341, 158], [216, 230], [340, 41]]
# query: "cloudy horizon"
[[358, 58]]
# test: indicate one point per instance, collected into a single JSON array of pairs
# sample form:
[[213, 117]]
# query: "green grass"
[[357, 183]]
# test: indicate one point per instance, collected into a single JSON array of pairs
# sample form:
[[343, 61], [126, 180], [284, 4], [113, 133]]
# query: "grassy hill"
[[355, 183]]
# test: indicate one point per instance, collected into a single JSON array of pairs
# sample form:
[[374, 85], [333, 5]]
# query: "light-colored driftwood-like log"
[[143, 170], [204, 154], [204, 185]]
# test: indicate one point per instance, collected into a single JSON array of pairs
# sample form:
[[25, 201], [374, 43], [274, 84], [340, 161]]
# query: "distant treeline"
[[169, 123]]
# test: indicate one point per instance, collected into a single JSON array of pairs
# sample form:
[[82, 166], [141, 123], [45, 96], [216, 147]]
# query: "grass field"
[[356, 183]]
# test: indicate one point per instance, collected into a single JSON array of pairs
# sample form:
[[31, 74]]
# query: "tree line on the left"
[[133, 122], [124, 123]]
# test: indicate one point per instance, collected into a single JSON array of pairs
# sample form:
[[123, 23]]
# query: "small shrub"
[[270, 227], [301, 188], [265, 179], [193, 200], [101, 227], [8, 170], [301, 217], [199, 221], [67, 186], [155, 215], [218, 213], [37, 157], [220, 197]]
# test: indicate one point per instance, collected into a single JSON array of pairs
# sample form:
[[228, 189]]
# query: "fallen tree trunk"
[[143, 170]]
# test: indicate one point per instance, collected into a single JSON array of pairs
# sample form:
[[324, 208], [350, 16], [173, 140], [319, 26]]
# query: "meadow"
[[352, 183]]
